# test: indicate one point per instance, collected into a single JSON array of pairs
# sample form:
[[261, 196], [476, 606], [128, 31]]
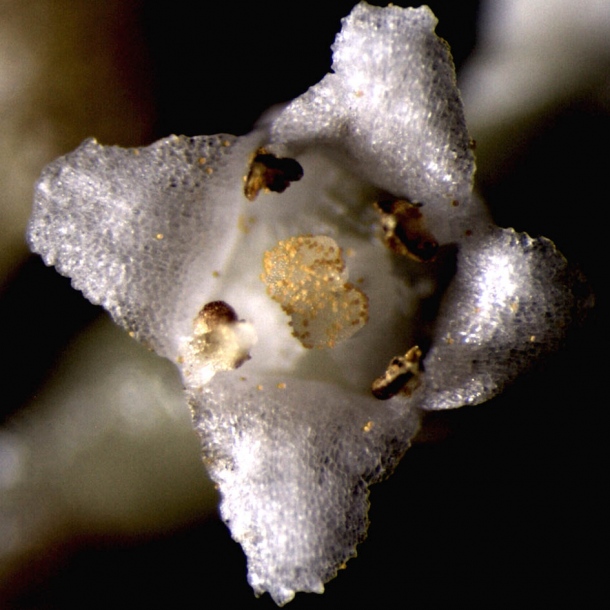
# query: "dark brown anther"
[[218, 312], [405, 232], [401, 376], [220, 342], [270, 173]]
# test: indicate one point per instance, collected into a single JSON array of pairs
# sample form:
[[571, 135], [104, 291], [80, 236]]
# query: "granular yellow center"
[[306, 275]]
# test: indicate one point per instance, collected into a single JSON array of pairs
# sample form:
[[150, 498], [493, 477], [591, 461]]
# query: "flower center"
[[306, 275], [310, 321]]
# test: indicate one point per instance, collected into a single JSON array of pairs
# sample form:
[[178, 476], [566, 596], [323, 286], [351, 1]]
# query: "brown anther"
[[220, 342], [401, 376], [270, 173], [215, 313], [405, 231]]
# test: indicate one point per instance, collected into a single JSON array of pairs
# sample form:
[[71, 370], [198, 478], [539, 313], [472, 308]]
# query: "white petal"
[[140, 231], [511, 301], [392, 106], [294, 464]]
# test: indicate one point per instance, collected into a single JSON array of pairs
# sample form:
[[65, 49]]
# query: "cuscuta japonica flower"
[[297, 277]]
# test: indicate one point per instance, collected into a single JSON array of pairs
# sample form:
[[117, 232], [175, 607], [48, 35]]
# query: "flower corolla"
[[319, 282]]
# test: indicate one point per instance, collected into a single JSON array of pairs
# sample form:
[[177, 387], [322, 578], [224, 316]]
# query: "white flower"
[[375, 272]]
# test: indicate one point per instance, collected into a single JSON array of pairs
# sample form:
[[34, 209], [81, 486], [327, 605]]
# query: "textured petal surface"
[[392, 105], [511, 301], [140, 231], [294, 462]]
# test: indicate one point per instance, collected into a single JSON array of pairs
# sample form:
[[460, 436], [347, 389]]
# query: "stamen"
[[270, 173], [220, 342], [402, 376], [405, 231]]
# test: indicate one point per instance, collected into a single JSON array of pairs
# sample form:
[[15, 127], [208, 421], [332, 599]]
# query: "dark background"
[[506, 509]]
